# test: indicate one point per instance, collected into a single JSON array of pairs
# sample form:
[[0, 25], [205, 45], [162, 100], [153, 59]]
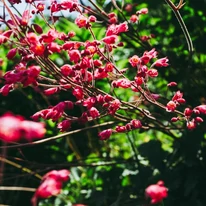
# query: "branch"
[[176, 9], [56, 137]]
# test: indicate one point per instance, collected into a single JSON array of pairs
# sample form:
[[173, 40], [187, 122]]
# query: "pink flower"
[[134, 18], [78, 93], [136, 124], [142, 11], [149, 55], [122, 28], [11, 54], [172, 84], [156, 192], [32, 130], [188, 112], [25, 18], [66, 70], [100, 74], [89, 102], [9, 128], [121, 129], [114, 106], [171, 106], [105, 134], [5, 89], [51, 185], [201, 109], [123, 83], [161, 62], [65, 125], [53, 47], [92, 18], [191, 124], [109, 67], [139, 80], [81, 21], [59, 175], [199, 120], [32, 38], [177, 98], [134, 60], [175, 119], [37, 49], [13, 128], [152, 73], [116, 29], [51, 91], [94, 113], [110, 39], [74, 55]]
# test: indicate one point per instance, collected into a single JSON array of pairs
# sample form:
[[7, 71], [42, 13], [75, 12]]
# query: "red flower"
[[105, 134], [171, 106], [152, 73], [116, 29], [136, 124], [32, 130], [74, 55], [134, 18], [11, 54], [5, 89], [134, 60], [92, 18], [201, 109], [156, 192], [66, 70], [81, 21], [38, 49], [78, 93], [51, 185], [188, 112], [172, 84], [123, 83], [13, 128], [110, 39], [161, 62], [191, 124], [109, 67], [9, 128], [51, 91], [94, 113], [121, 129], [142, 11], [177, 98], [25, 18]]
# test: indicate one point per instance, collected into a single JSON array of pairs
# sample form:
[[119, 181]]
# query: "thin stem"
[[182, 23], [9, 188], [20, 167]]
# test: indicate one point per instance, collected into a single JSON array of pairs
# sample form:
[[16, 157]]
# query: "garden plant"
[[102, 103]]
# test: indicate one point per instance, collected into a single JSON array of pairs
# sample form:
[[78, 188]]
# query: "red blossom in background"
[[156, 192], [51, 185], [14, 128]]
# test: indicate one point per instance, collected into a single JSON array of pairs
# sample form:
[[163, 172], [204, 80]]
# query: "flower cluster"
[[51, 185], [87, 63]]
